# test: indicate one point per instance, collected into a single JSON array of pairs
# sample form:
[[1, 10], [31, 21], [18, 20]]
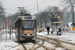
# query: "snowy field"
[[7, 45], [67, 37], [11, 44]]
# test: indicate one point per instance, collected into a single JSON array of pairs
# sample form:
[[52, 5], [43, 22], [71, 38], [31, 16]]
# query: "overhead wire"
[[35, 4], [22, 3], [42, 2], [47, 2], [11, 9], [39, 3]]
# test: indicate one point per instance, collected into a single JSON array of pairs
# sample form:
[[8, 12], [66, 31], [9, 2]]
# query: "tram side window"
[[17, 24], [21, 24], [34, 23]]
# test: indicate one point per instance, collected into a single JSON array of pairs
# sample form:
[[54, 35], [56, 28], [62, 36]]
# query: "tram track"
[[40, 45], [46, 43], [68, 46], [24, 46], [57, 43], [51, 42], [35, 46]]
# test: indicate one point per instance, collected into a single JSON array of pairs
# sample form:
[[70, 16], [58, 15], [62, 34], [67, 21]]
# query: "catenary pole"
[[37, 6], [72, 9]]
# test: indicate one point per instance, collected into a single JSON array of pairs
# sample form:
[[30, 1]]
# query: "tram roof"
[[22, 18], [27, 17]]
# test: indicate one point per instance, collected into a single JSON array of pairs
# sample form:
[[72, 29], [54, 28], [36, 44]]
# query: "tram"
[[26, 28]]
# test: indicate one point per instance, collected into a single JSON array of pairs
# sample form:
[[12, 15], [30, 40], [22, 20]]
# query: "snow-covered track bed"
[[33, 45], [61, 45], [42, 43]]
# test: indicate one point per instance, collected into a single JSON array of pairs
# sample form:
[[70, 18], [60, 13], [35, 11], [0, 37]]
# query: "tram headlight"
[[30, 34], [25, 34]]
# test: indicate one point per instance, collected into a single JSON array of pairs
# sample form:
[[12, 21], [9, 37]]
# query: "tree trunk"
[[45, 24], [41, 24]]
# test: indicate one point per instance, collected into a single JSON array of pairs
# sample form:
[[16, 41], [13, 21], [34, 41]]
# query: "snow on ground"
[[58, 49], [6, 45], [1, 31], [68, 37], [3, 37]]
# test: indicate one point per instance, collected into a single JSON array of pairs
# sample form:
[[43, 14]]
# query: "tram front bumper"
[[27, 36]]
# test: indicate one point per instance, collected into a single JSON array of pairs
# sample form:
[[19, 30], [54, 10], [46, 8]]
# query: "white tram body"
[[26, 27]]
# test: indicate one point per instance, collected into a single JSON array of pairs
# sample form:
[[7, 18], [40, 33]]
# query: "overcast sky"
[[11, 6]]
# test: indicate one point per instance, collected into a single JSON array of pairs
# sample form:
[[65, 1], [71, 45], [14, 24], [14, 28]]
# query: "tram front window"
[[27, 25]]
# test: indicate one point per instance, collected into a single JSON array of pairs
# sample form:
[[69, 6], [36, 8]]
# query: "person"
[[59, 30], [63, 27], [48, 29]]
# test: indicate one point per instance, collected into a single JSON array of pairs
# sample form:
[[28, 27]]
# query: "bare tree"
[[2, 15], [48, 14], [71, 3], [12, 18]]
